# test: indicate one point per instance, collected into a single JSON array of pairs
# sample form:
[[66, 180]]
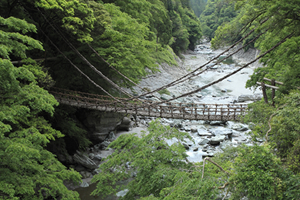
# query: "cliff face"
[[243, 57]]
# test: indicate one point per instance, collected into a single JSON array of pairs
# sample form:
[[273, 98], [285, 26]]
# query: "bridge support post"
[[273, 92], [263, 86]]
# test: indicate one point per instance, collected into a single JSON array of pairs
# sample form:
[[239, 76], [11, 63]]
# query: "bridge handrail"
[[175, 106]]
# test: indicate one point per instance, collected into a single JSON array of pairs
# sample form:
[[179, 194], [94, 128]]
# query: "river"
[[225, 92]]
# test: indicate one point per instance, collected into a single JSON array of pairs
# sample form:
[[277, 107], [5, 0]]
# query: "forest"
[[39, 48]]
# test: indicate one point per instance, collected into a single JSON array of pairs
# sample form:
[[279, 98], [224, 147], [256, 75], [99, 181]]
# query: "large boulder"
[[126, 124], [220, 131], [217, 139], [255, 97], [203, 132], [84, 160], [99, 124]]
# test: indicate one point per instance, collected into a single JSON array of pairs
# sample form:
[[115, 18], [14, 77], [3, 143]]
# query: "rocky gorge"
[[210, 137]]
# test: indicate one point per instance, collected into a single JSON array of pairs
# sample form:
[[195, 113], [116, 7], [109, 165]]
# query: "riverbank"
[[209, 137]]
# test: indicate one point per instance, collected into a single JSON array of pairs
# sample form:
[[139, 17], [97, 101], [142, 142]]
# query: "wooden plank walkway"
[[208, 112]]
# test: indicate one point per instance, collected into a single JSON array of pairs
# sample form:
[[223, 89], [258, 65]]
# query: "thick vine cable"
[[85, 60], [166, 86], [116, 69], [192, 74], [81, 72], [224, 77]]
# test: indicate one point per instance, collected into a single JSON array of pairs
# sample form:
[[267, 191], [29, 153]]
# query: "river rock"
[[194, 129], [100, 124], [204, 141], [217, 123], [203, 132], [165, 97], [126, 124], [255, 97], [220, 131], [235, 134], [187, 128], [85, 174], [122, 193], [84, 160], [84, 184], [98, 157], [217, 139], [104, 145], [177, 124], [239, 127], [186, 146], [225, 144], [111, 136]]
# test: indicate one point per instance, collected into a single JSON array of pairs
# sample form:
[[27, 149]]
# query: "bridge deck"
[[209, 112]]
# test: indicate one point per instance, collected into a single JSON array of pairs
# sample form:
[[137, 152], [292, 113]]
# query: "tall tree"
[[216, 13], [27, 169]]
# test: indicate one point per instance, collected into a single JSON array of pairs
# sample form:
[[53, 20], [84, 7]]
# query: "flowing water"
[[223, 92]]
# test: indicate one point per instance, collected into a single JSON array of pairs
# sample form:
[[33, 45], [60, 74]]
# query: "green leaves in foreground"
[[161, 170], [27, 170]]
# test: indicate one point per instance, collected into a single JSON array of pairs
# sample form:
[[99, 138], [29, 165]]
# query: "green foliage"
[[283, 134], [160, 168], [76, 16], [164, 91], [216, 13], [197, 6], [258, 174], [258, 115], [27, 169]]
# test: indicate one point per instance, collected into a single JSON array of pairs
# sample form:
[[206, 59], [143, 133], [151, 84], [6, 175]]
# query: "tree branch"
[[207, 158]]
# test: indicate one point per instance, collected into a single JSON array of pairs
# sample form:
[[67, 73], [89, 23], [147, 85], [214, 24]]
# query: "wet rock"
[[186, 146], [235, 134], [111, 136], [104, 144], [65, 158], [203, 132], [122, 193], [98, 157], [177, 124], [187, 128], [165, 97], [255, 97], [225, 144], [221, 131], [79, 168], [194, 129], [84, 160], [85, 174], [217, 123], [97, 137], [217, 139], [195, 149], [100, 124], [126, 124], [91, 156], [239, 127], [84, 184], [96, 171], [204, 141]]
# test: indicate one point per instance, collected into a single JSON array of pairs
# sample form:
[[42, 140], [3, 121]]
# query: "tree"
[[216, 13], [161, 170], [27, 169], [197, 6], [158, 170]]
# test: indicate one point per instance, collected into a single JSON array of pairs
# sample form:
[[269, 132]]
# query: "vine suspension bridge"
[[208, 112], [163, 109]]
